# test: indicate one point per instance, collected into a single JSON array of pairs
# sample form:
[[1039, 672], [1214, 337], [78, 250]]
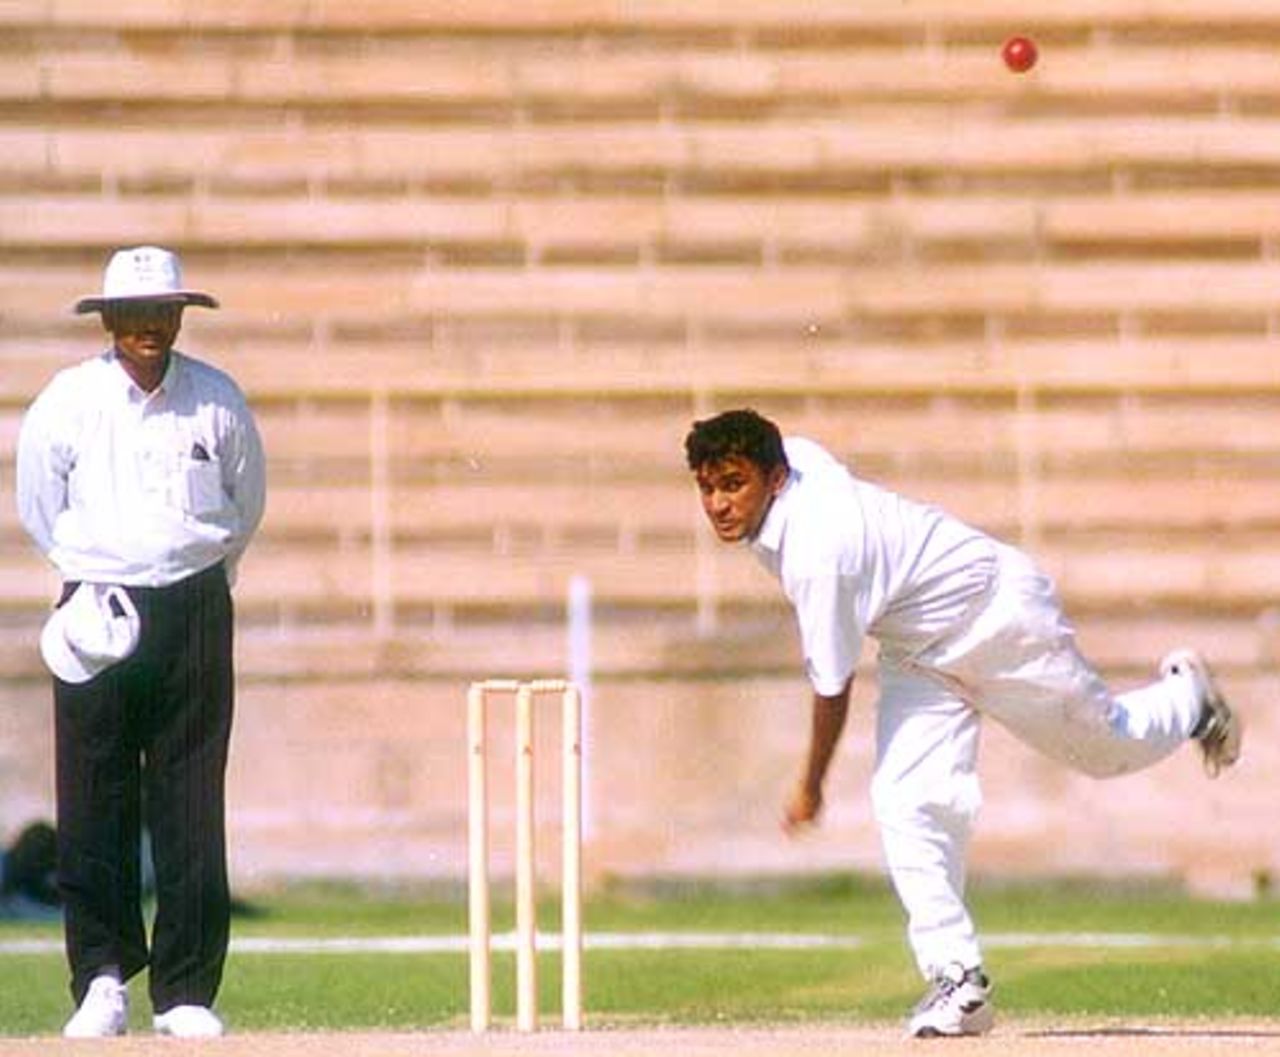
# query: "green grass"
[[872, 982]]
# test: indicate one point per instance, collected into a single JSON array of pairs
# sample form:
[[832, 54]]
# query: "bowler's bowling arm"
[[828, 718]]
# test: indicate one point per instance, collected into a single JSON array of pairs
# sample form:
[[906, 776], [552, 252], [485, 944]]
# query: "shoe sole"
[[1226, 752], [1224, 748], [978, 1022]]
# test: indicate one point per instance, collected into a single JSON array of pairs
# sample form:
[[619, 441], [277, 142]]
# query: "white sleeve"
[[831, 631], [43, 464], [245, 466]]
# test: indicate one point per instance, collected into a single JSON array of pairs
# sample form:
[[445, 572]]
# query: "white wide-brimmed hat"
[[143, 273], [96, 627]]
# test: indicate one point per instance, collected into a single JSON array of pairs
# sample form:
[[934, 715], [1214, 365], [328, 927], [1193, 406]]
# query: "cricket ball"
[[1019, 54]]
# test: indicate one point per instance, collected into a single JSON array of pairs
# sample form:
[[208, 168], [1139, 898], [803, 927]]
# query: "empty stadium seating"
[[481, 264]]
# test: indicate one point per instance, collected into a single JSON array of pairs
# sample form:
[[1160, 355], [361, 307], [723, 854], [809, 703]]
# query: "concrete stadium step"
[[272, 65], [821, 16], [532, 365], [917, 146], [543, 228]]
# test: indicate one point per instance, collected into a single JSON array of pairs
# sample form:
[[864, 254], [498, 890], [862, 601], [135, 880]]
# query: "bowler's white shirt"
[[855, 560], [117, 485]]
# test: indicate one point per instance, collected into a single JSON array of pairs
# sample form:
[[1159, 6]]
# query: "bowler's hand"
[[801, 809]]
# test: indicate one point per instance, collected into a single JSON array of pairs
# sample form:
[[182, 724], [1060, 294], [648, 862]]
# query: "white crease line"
[[617, 941], [662, 941]]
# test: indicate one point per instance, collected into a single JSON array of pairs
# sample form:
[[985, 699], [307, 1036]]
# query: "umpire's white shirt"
[[855, 559], [117, 485]]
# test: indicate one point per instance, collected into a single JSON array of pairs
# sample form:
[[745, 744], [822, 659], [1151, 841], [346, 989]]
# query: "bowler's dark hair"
[[742, 432]]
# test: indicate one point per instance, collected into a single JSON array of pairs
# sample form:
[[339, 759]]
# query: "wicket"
[[525, 693]]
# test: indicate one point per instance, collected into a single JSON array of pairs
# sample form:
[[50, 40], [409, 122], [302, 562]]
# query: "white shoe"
[[1219, 731], [188, 1022], [958, 1002], [103, 1013]]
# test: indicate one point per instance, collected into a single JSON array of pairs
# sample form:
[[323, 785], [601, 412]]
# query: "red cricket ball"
[[1019, 54]]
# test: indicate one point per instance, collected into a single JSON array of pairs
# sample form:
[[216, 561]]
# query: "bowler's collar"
[[767, 541]]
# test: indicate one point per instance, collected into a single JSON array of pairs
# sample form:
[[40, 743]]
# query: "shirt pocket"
[[200, 487]]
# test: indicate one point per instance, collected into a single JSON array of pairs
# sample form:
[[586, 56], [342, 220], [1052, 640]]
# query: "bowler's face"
[[736, 494]]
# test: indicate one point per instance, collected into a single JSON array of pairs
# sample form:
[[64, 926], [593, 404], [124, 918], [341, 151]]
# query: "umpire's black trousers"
[[146, 742]]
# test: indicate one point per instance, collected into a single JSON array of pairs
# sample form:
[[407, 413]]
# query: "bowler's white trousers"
[[1016, 661]]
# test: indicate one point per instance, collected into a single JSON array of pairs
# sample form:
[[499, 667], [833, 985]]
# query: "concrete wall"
[[481, 266]]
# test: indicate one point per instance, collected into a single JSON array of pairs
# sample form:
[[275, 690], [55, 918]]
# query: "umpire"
[[140, 476]]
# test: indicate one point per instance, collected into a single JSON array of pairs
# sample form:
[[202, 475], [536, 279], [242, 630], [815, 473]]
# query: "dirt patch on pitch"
[[1165, 1039]]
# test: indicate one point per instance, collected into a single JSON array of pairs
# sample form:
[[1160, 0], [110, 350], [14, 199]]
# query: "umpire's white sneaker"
[[1219, 731], [958, 1002], [104, 1012], [188, 1022]]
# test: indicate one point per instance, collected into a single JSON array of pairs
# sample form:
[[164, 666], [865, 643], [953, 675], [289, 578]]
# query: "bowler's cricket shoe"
[[1219, 731], [958, 1002]]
